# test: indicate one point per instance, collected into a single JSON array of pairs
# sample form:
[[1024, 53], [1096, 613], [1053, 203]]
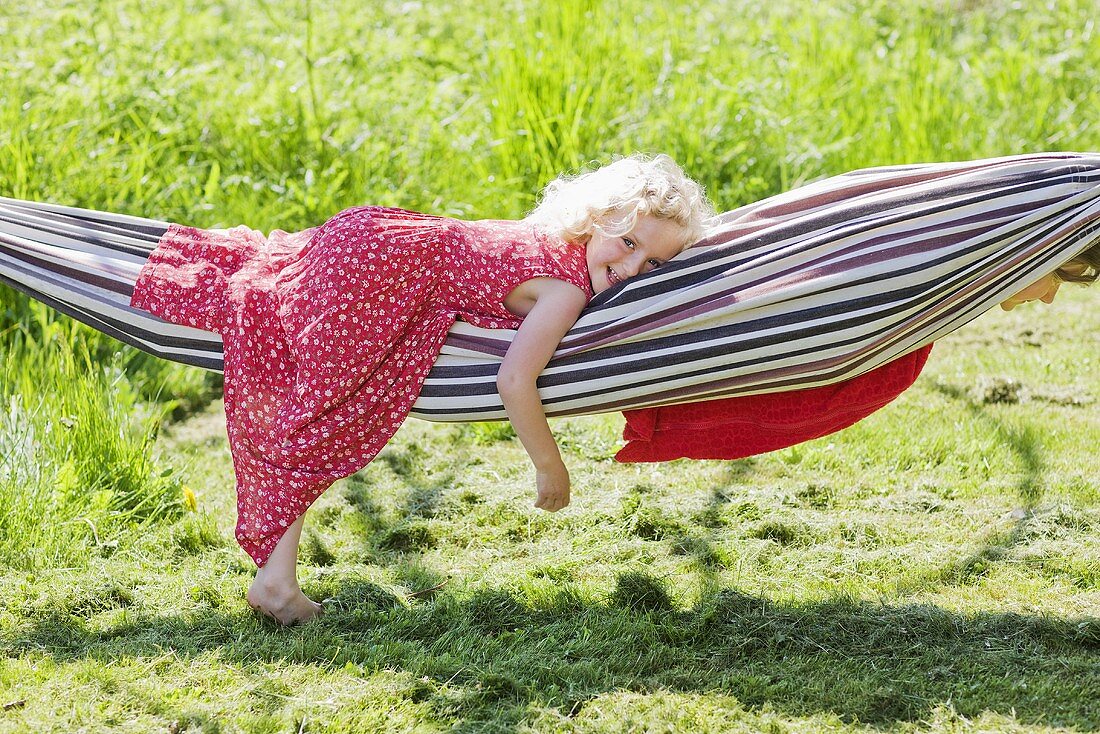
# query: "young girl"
[[330, 332]]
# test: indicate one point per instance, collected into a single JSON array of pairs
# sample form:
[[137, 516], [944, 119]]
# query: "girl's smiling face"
[[612, 260]]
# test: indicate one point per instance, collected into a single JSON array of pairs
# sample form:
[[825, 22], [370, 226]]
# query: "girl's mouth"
[[613, 277]]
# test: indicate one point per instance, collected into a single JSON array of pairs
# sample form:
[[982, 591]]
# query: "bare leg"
[[275, 592]]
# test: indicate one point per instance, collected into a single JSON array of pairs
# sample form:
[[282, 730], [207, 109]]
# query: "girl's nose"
[[634, 264]]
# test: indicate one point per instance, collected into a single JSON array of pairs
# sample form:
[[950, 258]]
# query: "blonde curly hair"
[[610, 199]]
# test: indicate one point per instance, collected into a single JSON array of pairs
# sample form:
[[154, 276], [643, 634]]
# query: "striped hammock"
[[811, 287]]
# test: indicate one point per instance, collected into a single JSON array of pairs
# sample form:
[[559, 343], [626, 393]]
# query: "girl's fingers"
[[551, 502]]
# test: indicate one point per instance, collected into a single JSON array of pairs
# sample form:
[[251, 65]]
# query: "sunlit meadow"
[[934, 568]]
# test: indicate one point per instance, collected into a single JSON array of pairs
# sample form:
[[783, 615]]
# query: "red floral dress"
[[329, 334]]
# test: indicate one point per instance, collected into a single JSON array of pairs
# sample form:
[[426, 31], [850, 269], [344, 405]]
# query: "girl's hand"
[[553, 487]]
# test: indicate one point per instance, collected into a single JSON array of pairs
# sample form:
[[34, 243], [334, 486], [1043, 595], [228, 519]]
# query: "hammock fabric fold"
[[811, 287]]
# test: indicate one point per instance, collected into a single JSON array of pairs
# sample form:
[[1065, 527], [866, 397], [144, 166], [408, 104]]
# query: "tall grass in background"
[[277, 113], [75, 466]]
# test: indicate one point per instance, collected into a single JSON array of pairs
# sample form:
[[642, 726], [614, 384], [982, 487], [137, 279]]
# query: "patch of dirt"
[[1007, 391], [996, 390], [1064, 396]]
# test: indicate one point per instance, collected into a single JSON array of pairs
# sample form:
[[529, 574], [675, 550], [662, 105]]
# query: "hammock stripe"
[[810, 287]]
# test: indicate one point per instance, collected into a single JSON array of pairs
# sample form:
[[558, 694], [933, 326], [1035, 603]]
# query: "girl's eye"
[[629, 245], [654, 263]]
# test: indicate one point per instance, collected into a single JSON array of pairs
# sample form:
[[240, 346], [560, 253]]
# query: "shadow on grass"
[[424, 489], [1024, 443], [491, 657], [997, 545]]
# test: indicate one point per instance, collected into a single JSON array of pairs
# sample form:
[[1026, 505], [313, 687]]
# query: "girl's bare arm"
[[556, 308]]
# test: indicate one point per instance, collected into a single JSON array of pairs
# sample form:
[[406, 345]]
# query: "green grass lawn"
[[934, 568]]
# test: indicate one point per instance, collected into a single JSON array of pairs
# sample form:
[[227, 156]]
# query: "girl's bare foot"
[[284, 603], [275, 591]]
